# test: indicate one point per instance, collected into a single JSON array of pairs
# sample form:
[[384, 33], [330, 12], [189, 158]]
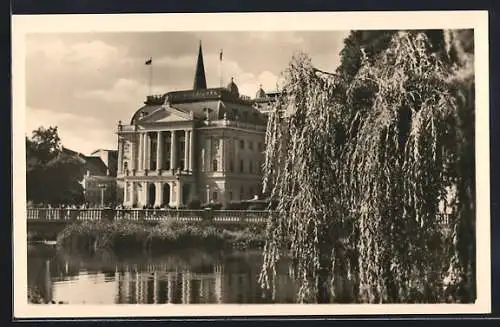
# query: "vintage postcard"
[[251, 164]]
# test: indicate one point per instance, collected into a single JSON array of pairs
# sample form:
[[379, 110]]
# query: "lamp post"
[[102, 187]]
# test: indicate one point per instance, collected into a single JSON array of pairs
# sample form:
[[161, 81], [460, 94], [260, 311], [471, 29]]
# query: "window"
[[125, 166], [215, 196], [242, 166], [250, 191], [242, 193], [242, 144], [230, 196], [250, 145], [231, 166], [214, 165], [260, 147], [250, 167]]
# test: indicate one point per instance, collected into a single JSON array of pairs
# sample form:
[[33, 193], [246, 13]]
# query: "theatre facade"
[[204, 144]]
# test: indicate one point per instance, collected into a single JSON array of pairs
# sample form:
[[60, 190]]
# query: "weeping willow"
[[374, 179]]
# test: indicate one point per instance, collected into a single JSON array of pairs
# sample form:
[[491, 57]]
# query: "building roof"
[[200, 82], [111, 152], [204, 102], [95, 165], [260, 93], [233, 88]]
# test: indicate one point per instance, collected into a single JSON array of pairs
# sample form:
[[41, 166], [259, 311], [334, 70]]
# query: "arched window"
[[214, 165]]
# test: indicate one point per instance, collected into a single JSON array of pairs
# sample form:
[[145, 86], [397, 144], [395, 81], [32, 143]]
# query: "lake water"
[[191, 276]]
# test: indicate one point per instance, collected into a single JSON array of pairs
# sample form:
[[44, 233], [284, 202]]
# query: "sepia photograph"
[[243, 164]]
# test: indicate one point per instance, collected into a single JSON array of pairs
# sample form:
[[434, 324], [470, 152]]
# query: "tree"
[[52, 177], [376, 197]]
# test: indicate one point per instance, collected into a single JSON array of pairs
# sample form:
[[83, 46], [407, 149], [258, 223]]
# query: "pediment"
[[166, 115]]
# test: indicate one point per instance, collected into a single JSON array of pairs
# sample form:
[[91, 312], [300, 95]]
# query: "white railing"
[[147, 215]]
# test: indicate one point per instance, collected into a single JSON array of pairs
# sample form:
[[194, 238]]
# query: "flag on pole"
[[220, 55], [149, 61]]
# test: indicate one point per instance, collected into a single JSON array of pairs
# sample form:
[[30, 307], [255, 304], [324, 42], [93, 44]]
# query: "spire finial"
[[200, 81]]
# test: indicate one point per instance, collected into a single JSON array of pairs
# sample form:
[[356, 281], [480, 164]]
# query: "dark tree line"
[[52, 176]]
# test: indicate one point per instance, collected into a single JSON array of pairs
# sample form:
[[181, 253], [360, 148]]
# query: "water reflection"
[[182, 277]]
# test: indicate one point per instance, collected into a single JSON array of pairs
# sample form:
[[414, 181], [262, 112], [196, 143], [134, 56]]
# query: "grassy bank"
[[127, 237]]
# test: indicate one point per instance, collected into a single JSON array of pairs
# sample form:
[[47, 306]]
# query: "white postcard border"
[[21, 25]]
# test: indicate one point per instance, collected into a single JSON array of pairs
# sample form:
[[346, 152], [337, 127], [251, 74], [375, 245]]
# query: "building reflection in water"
[[227, 279], [228, 282]]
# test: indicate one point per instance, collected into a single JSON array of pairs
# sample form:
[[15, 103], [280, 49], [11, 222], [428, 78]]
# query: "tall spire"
[[200, 81]]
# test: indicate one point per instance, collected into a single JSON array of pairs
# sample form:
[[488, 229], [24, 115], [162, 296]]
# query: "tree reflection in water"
[[192, 276]]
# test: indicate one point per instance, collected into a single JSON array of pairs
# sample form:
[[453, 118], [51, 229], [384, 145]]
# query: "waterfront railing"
[[147, 215]]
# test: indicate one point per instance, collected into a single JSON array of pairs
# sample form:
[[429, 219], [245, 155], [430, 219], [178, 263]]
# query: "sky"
[[85, 83]]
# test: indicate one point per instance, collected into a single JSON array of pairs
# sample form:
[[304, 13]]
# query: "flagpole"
[[149, 63], [151, 78], [220, 69]]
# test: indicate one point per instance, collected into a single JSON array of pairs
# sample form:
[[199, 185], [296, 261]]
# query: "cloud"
[[85, 82], [281, 37], [85, 55], [123, 90], [77, 132]]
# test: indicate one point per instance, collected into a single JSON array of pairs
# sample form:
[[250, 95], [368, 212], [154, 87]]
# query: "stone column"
[[186, 150], [125, 191], [173, 193], [140, 152], [120, 155], [132, 156], [133, 193], [147, 153], [159, 194], [179, 193], [144, 195], [173, 150], [159, 151], [191, 150], [222, 153]]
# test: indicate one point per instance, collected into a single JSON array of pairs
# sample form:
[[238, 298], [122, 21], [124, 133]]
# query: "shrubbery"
[[126, 236]]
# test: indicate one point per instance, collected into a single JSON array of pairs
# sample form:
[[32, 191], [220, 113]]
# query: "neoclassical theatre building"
[[204, 143]]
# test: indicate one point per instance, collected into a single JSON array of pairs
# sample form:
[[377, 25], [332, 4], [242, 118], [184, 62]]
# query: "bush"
[[194, 204], [257, 206], [213, 206], [122, 237]]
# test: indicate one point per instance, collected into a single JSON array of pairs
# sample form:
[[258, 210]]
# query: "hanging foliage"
[[372, 177]]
